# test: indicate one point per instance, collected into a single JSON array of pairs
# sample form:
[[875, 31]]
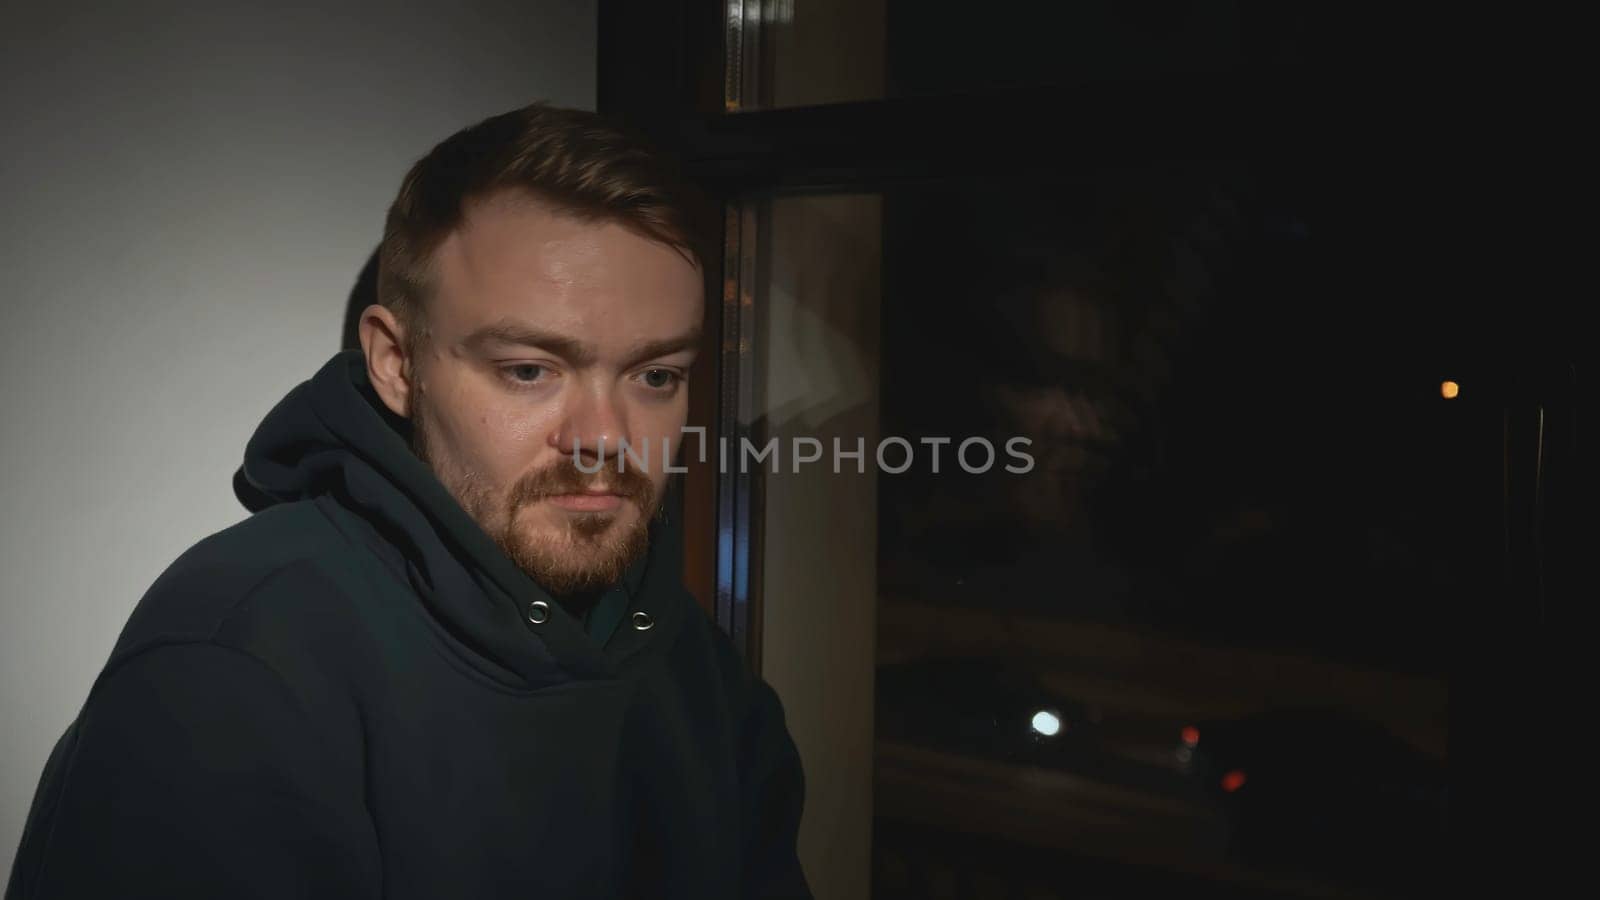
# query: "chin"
[[578, 538], [569, 551], [553, 526]]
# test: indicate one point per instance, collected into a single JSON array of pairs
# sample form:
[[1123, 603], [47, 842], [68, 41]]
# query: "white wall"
[[188, 191]]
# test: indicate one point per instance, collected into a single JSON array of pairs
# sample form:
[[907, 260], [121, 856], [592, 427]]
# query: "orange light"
[[1449, 390], [1233, 781], [1191, 735]]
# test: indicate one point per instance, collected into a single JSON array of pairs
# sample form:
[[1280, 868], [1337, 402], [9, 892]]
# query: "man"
[[449, 654]]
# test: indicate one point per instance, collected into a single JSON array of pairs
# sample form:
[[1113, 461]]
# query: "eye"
[[660, 379], [523, 373]]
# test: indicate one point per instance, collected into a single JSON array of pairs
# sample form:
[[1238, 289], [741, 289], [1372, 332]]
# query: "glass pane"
[[809, 52], [1144, 584], [817, 349]]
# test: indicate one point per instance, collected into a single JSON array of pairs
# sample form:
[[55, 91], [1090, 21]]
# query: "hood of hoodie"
[[331, 436]]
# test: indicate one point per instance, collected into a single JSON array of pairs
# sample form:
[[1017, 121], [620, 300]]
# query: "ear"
[[392, 374]]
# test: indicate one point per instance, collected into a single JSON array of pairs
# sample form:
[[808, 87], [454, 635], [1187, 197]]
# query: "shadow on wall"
[[362, 295]]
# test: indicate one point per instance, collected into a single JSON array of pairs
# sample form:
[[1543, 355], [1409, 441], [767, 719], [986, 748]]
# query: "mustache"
[[564, 477]]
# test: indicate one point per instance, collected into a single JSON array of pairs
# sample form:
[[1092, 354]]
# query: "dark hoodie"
[[345, 695]]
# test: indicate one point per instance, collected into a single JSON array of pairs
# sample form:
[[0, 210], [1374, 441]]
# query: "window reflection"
[[1195, 646]]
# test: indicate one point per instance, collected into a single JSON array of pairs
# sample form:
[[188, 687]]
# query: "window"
[[1198, 636]]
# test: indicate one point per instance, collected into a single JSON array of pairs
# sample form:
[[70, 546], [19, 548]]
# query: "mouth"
[[586, 501]]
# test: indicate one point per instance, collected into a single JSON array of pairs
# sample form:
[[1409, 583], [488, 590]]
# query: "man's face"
[[549, 333]]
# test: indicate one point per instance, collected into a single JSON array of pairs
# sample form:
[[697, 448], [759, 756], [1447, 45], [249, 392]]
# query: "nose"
[[593, 427]]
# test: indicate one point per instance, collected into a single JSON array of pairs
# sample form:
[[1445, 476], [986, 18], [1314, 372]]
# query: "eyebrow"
[[571, 349], [665, 347]]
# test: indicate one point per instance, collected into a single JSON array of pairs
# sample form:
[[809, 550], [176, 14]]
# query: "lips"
[[562, 486], [586, 501]]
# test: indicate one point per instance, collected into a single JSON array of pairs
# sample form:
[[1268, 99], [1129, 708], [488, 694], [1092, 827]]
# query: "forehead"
[[515, 258]]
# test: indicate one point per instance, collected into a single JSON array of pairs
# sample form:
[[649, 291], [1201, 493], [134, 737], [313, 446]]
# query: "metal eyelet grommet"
[[538, 612], [642, 621]]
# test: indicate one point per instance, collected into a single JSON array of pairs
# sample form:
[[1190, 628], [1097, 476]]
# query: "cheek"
[[515, 433], [501, 439], [512, 427]]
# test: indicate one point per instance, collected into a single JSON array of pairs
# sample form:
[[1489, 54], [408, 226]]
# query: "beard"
[[586, 552]]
